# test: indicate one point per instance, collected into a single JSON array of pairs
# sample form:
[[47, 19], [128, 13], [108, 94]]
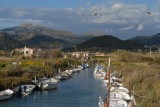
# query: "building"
[[27, 52], [81, 55]]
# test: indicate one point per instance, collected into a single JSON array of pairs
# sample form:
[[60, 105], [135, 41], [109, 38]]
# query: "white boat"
[[64, 75], [24, 89], [118, 103], [114, 103], [6, 94], [122, 89], [58, 77], [48, 83], [119, 95], [69, 72], [100, 103]]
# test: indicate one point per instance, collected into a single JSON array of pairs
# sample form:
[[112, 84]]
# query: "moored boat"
[[24, 89], [47, 83], [6, 94]]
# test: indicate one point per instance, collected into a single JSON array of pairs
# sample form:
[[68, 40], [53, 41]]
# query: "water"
[[82, 90]]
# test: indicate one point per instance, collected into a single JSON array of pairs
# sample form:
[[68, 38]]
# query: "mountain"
[[148, 40], [43, 41], [110, 42], [8, 43], [27, 31]]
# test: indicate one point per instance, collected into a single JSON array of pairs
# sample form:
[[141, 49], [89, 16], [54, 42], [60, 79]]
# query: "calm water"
[[82, 90]]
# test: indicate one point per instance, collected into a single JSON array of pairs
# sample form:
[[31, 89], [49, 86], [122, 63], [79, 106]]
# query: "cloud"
[[116, 13], [114, 17], [140, 27], [119, 13], [127, 28], [117, 6]]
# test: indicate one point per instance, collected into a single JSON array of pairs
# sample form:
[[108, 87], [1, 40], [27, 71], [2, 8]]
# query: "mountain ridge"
[[27, 31], [39, 36], [148, 40], [110, 42]]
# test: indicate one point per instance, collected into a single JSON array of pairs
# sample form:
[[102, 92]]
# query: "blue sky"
[[121, 18], [47, 3]]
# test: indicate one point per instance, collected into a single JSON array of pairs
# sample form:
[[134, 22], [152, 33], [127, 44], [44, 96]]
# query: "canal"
[[82, 90]]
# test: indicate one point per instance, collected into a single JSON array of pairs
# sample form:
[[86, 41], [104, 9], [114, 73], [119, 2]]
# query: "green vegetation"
[[7, 43], [17, 71]]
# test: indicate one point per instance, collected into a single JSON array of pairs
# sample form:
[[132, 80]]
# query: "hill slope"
[[43, 41], [111, 42], [7, 42], [28, 31], [148, 40]]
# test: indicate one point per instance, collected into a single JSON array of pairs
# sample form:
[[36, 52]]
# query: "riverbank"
[[140, 71]]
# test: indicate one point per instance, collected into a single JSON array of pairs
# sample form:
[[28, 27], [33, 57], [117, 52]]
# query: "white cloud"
[[117, 6], [127, 28], [19, 12], [114, 15], [140, 27]]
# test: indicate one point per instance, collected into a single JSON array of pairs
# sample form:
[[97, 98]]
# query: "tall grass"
[[143, 73]]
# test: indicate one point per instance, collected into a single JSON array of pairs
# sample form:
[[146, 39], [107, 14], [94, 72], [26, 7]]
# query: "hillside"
[[28, 31], [110, 42], [148, 40], [8, 43], [43, 41]]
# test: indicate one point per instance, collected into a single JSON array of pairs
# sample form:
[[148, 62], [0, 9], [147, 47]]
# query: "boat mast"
[[109, 83]]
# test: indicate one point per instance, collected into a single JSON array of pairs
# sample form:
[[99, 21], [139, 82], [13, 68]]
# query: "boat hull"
[[49, 86], [6, 94]]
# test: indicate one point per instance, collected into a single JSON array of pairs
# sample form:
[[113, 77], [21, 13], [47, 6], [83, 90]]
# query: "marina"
[[80, 90]]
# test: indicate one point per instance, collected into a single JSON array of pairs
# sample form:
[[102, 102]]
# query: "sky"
[[121, 18]]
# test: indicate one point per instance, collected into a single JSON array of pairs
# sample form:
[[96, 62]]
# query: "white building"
[[82, 55], [27, 52]]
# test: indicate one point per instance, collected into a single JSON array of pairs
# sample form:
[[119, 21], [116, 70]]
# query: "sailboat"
[[6, 94]]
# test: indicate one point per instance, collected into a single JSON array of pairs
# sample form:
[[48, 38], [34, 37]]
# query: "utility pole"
[[150, 51]]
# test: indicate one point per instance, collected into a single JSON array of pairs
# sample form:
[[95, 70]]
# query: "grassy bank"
[[141, 74], [14, 72]]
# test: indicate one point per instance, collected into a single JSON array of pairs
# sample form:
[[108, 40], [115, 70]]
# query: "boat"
[[24, 90], [120, 95], [47, 83], [100, 103], [117, 95], [58, 77], [64, 76], [118, 103], [122, 89], [6, 94]]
